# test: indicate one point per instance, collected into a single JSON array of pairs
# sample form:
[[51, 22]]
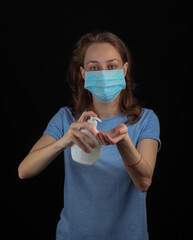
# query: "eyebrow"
[[110, 60]]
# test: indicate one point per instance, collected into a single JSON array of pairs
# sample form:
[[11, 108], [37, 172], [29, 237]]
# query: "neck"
[[106, 110]]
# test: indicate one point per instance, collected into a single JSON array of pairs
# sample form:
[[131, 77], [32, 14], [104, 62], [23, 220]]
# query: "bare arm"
[[41, 155], [142, 171], [47, 148]]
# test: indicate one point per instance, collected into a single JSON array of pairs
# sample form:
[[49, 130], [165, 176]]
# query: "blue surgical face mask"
[[105, 85]]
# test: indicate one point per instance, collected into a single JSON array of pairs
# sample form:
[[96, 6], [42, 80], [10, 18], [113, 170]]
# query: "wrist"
[[124, 141], [62, 144]]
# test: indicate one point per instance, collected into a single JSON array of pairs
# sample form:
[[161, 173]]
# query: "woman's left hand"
[[113, 136]]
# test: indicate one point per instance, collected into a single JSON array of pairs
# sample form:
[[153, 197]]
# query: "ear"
[[82, 72], [125, 67]]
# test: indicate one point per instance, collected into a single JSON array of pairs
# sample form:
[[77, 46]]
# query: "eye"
[[111, 67], [93, 68]]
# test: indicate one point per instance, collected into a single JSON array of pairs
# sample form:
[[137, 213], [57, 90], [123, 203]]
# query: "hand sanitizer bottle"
[[91, 158]]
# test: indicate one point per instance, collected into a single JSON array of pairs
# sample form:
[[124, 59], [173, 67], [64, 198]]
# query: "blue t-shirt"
[[101, 202]]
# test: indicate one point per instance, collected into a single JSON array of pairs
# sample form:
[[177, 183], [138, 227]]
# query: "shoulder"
[[64, 110], [59, 123], [150, 126], [63, 114], [148, 112], [148, 120], [148, 115]]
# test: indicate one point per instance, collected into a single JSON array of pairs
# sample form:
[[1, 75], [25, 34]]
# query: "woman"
[[107, 200]]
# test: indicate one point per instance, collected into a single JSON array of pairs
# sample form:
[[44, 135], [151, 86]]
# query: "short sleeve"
[[55, 127], [151, 128]]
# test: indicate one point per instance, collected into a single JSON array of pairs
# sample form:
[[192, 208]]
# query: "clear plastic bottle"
[[91, 158]]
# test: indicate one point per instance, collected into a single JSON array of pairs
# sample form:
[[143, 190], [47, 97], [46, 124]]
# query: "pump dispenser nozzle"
[[93, 121]]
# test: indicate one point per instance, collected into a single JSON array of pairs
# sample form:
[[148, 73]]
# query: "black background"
[[36, 44]]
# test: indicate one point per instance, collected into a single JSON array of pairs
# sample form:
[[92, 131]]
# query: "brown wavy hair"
[[82, 98]]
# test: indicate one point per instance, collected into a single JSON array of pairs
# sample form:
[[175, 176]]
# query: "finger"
[[109, 139], [98, 138], [85, 116], [85, 139], [113, 132], [83, 125], [116, 132], [122, 129], [102, 138], [89, 127], [80, 144]]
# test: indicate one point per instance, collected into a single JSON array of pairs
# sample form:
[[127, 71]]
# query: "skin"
[[99, 56]]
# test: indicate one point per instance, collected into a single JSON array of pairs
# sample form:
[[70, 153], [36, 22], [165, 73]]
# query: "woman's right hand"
[[47, 147], [74, 135]]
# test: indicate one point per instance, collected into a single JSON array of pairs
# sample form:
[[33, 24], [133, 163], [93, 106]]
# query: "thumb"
[[116, 131], [121, 129]]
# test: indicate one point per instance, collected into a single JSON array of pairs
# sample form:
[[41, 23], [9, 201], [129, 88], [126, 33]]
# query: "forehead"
[[101, 52]]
